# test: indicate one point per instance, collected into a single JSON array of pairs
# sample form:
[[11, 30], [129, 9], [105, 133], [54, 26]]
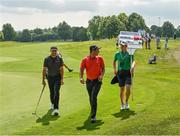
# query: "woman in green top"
[[124, 71]]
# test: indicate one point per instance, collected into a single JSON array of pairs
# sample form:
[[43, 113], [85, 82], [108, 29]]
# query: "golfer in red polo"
[[95, 69]]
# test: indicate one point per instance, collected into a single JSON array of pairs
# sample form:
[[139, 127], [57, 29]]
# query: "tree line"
[[61, 32], [99, 27]]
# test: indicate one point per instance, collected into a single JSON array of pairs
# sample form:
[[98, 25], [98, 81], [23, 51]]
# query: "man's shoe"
[[52, 107], [93, 120], [123, 107], [127, 106], [55, 112]]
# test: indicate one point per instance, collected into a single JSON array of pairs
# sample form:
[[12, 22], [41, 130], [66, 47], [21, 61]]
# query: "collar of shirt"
[[123, 52], [92, 58], [53, 57]]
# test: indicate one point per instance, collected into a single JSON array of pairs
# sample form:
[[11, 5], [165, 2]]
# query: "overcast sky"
[[48, 13]]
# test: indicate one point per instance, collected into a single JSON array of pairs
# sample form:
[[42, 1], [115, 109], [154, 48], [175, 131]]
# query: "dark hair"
[[53, 48]]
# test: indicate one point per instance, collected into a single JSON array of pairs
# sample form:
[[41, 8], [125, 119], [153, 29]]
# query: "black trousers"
[[54, 87], [93, 88]]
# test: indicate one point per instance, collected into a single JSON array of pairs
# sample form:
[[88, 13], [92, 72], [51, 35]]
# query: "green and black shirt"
[[124, 60]]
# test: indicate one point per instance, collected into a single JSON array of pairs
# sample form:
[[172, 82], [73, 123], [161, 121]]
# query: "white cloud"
[[47, 13], [51, 6], [22, 21]]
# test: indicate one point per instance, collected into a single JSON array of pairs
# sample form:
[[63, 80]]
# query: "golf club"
[[34, 113]]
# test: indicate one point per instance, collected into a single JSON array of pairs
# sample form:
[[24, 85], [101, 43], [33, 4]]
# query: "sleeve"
[[45, 63], [62, 62], [83, 64], [115, 57]]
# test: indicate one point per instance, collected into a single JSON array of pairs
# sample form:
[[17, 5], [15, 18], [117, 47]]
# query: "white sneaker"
[[55, 112], [52, 107], [122, 107], [127, 106]]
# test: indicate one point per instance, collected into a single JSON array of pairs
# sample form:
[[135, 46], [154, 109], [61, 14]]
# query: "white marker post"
[[131, 48]]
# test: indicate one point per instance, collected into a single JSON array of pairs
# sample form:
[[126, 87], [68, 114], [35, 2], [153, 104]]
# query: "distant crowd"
[[146, 41]]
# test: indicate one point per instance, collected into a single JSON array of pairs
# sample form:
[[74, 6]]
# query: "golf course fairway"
[[155, 109]]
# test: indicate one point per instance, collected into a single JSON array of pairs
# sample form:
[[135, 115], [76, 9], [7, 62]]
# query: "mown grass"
[[155, 109]]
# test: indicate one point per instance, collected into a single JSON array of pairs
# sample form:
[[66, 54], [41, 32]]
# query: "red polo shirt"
[[93, 66]]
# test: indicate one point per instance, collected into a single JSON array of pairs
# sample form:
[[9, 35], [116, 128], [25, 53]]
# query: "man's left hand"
[[132, 71], [62, 82], [100, 78]]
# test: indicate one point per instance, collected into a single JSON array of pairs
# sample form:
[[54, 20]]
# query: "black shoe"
[[93, 120], [70, 70]]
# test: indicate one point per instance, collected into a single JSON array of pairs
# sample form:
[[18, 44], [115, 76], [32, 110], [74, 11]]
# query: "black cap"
[[53, 48], [94, 47]]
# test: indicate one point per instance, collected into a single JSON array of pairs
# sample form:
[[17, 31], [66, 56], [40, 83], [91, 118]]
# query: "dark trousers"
[[54, 87], [93, 88]]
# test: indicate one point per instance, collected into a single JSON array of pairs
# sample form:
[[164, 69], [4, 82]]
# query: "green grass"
[[155, 109]]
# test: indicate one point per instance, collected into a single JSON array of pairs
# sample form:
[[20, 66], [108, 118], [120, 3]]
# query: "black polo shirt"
[[53, 65]]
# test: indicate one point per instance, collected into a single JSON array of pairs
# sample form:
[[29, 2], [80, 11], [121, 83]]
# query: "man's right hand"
[[82, 81], [43, 82], [115, 72]]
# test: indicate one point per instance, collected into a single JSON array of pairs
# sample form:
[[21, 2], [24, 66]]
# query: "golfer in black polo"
[[53, 69]]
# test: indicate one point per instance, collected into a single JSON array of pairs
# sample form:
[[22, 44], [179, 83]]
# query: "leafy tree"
[[124, 19], [64, 31], [44, 37], [38, 31], [18, 36], [25, 36], [79, 34], [55, 30], [136, 22], [102, 30], [93, 27], [114, 26], [178, 31], [9, 32], [168, 29], [156, 30]]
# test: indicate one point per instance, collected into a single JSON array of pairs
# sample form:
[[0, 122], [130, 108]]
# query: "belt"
[[92, 79]]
